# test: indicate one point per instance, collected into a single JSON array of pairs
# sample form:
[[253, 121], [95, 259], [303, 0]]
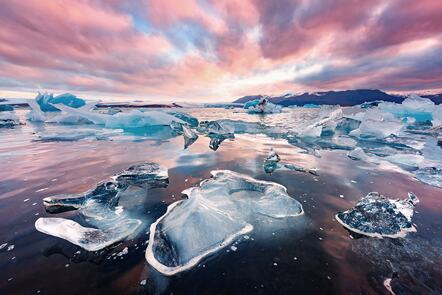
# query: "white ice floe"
[[216, 213]]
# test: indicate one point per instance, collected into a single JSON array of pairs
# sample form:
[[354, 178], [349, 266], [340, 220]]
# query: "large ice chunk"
[[261, 106], [377, 124], [218, 211], [377, 216], [90, 239], [419, 108], [125, 120], [100, 207]]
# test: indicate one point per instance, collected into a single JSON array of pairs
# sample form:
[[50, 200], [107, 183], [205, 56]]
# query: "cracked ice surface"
[[100, 207], [376, 216], [215, 214]]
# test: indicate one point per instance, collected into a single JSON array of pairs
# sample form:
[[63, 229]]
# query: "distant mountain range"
[[343, 98]]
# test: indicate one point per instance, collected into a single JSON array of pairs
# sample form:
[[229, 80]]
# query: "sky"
[[217, 50]]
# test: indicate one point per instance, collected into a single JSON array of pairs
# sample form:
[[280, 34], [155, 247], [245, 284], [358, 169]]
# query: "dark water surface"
[[311, 254]]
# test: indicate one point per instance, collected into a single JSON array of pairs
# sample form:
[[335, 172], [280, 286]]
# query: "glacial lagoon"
[[328, 159]]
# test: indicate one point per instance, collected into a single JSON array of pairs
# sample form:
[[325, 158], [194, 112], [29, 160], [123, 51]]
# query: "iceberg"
[[46, 101], [377, 216], [261, 106], [123, 120], [419, 108], [378, 124], [217, 212], [8, 120], [100, 207]]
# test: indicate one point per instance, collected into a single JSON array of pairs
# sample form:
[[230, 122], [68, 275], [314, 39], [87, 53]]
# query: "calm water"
[[311, 254]]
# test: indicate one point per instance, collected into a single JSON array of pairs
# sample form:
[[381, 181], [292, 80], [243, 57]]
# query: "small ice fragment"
[[246, 237], [189, 136], [353, 181], [66, 265], [387, 285], [25, 200], [275, 264], [271, 162], [3, 245], [341, 196], [234, 248], [143, 282], [376, 216], [10, 248], [123, 252], [42, 189], [358, 154]]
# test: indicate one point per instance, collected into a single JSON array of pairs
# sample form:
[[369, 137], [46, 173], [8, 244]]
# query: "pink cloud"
[[98, 46]]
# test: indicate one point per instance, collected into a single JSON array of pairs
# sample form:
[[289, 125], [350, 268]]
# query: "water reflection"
[[308, 257]]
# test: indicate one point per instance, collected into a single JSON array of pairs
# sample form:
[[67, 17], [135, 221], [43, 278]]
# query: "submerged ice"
[[377, 216], [215, 214], [100, 208]]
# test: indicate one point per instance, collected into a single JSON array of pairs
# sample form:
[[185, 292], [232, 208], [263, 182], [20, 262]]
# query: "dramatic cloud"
[[218, 50]]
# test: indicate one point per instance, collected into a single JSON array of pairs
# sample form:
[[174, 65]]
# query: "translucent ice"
[[376, 216], [123, 120], [8, 120], [416, 107], [145, 175], [100, 207], [430, 175], [261, 106], [189, 136], [378, 124], [90, 239], [190, 120], [216, 213], [271, 162]]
